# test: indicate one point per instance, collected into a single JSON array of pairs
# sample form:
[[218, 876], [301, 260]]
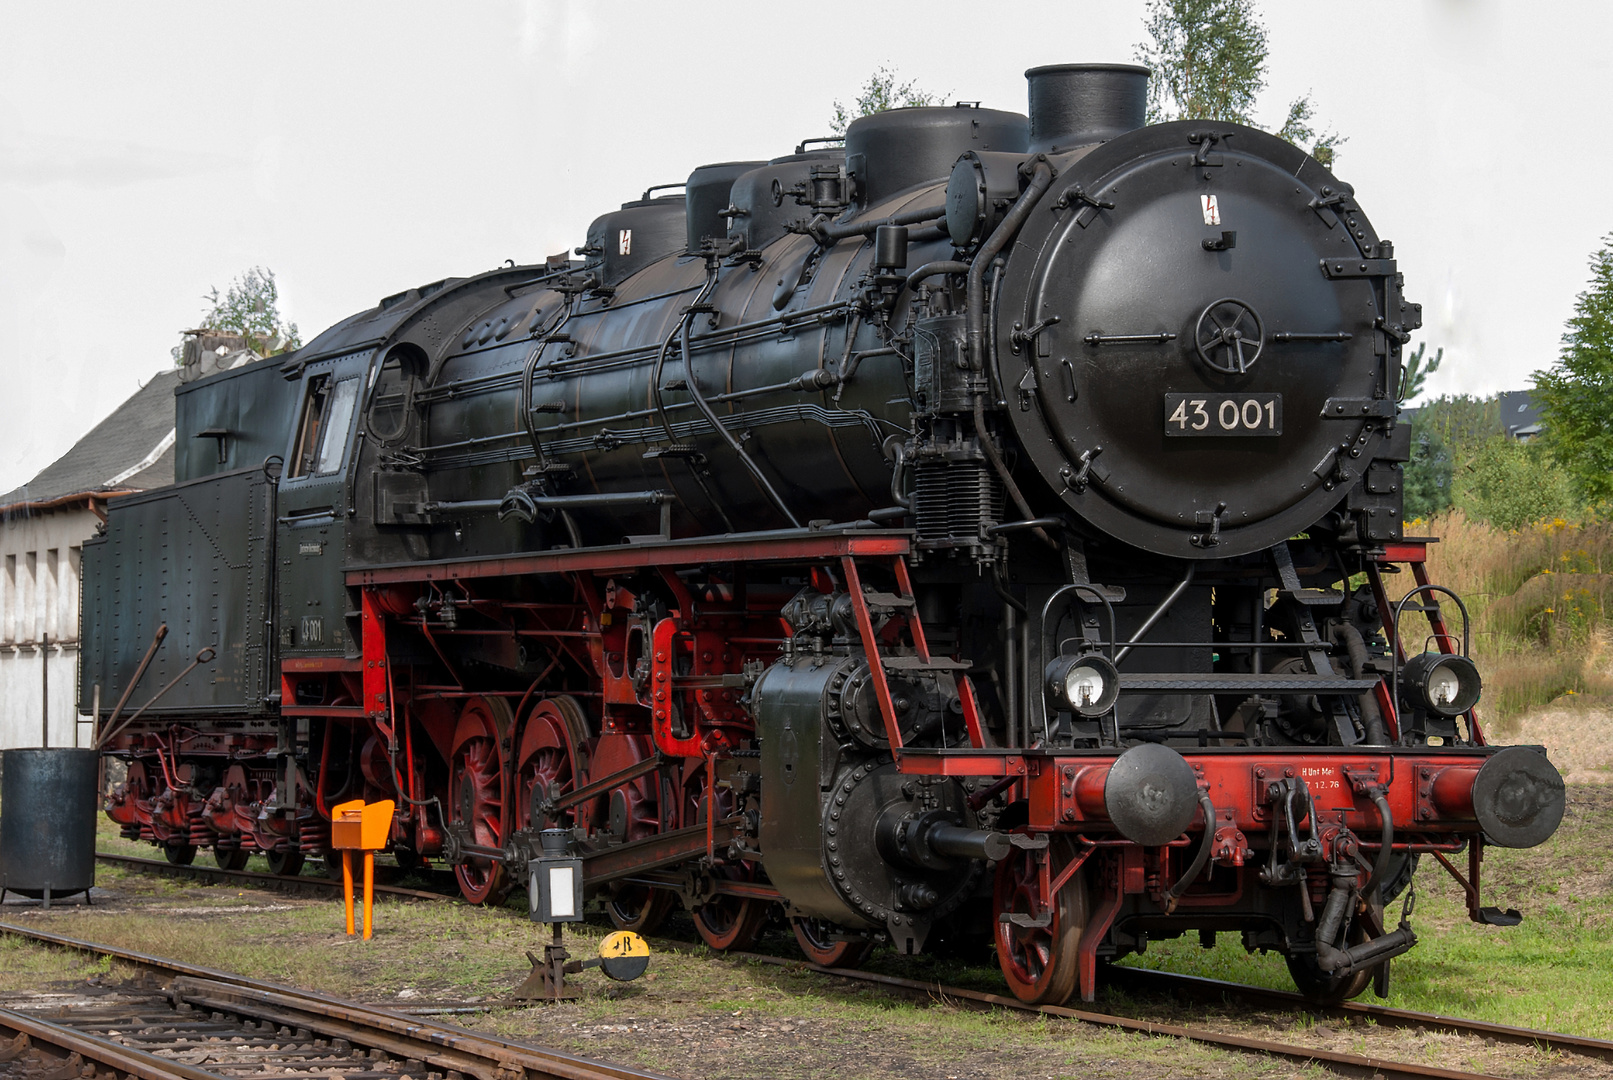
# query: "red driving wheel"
[[547, 764], [817, 939], [731, 922], [476, 796]]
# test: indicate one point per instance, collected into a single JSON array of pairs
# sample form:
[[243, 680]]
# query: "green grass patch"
[[1554, 972]]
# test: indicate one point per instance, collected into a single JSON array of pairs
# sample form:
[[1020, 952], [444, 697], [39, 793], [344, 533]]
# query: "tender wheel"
[[476, 796], [179, 854], [731, 922], [639, 908], [409, 860], [227, 858], [1324, 989], [817, 940], [1040, 963], [285, 863]]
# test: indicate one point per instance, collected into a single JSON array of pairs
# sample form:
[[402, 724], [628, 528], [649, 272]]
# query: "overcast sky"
[[151, 151]]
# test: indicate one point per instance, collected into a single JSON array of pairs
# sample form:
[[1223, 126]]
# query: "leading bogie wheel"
[[826, 945], [1041, 964], [231, 858], [476, 797]]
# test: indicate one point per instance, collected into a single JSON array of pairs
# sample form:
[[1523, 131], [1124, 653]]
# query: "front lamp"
[[1442, 683], [1086, 685]]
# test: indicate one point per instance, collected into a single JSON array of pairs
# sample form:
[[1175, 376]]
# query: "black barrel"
[[47, 822]]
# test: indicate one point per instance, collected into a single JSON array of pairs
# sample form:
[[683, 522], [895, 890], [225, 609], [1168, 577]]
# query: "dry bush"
[[1540, 599]]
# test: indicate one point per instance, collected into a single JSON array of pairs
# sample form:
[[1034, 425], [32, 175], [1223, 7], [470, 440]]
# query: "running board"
[[1233, 683]]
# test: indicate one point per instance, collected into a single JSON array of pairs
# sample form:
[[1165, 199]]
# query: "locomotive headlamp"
[[1441, 683], [1086, 685]]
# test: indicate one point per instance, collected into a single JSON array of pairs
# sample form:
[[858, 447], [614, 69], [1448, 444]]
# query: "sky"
[[150, 152]]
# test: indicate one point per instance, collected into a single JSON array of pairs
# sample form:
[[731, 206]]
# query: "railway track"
[[1152, 981], [206, 1025], [303, 885], [1345, 1064]]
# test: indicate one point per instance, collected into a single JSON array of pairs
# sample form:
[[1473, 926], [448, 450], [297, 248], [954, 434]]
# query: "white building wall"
[[40, 560]]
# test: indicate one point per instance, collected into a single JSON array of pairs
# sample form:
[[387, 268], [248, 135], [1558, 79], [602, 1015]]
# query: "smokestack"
[[1078, 104]]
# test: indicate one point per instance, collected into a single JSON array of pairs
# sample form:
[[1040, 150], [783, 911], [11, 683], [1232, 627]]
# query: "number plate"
[[1223, 414]]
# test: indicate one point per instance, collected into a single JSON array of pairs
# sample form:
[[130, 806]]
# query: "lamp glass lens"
[[1443, 686], [1084, 685]]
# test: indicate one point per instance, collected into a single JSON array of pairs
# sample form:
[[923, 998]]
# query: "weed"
[[1540, 598]]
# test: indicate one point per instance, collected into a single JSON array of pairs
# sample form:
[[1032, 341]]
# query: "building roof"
[[1520, 413], [131, 450]]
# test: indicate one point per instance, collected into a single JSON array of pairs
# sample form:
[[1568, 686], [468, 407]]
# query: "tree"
[[1427, 476], [1417, 371], [1447, 435], [251, 307], [1511, 484], [1576, 393], [879, 93], [1209, 63]]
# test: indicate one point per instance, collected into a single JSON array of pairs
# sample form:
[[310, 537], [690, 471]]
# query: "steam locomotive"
[[988, 526]]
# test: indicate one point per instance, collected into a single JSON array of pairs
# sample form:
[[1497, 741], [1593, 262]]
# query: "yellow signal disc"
[[623, 943]]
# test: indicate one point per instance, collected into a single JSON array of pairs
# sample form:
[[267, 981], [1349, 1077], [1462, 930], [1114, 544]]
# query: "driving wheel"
[[476, 797], [818, 940]]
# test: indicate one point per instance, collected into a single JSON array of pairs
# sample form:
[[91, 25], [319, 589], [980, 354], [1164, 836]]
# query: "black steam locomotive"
[[989, 526]]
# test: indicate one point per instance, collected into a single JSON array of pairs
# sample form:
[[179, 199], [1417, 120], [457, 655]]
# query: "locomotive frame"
[[816, 589]]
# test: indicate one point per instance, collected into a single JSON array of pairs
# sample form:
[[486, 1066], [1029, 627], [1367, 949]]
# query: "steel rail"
[[1382, 1015], [253, 877], [1336, 1061], [92, 1048], [397, 1033]]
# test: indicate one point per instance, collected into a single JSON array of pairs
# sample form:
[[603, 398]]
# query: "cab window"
[[327, 418]]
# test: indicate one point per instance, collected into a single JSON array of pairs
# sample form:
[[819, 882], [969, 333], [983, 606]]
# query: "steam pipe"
[[568, 502], [825, 231], [1380, 869], [1356, 649], [1190, 875], [930, 269], [712, 418], [1041, 180]]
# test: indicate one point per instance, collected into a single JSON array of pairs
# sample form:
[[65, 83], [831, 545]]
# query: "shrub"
[[1511, 485]]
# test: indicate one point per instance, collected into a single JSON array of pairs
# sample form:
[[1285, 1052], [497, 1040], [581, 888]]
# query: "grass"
[[1554, 972], [690, 1015], [695, 1016], [1539, 597]]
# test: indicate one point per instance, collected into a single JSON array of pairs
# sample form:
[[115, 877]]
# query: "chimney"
[[1078, 104]]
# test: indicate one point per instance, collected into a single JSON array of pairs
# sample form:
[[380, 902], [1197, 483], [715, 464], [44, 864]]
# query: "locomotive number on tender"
[[1223, 414]]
